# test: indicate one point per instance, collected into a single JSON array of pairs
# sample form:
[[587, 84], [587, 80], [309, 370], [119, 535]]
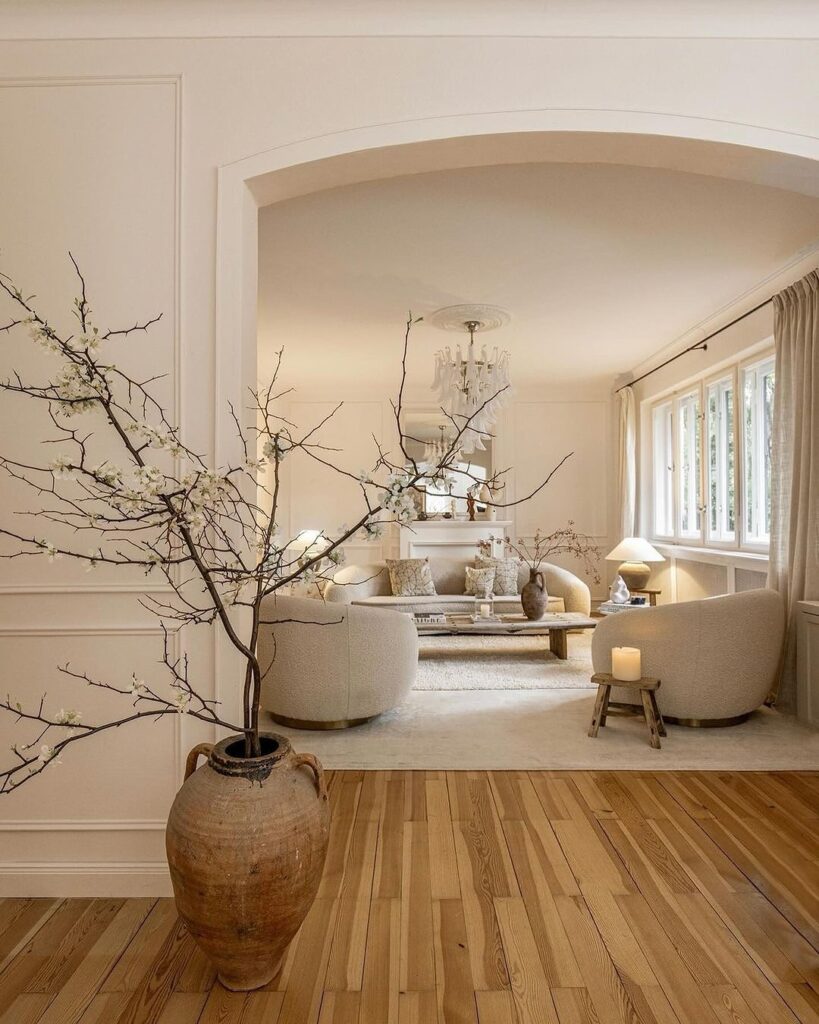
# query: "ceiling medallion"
[[471, 387]]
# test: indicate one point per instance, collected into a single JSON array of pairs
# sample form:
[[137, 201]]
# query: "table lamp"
[[634, 552]]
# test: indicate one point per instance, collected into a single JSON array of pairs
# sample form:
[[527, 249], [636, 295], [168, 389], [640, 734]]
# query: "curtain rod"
[[703, 345]]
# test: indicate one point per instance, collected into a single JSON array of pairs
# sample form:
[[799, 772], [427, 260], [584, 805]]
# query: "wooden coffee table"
[[558, 625]]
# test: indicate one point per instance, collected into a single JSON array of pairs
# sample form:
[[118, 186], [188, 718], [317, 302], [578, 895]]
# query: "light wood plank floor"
[[484, 898]]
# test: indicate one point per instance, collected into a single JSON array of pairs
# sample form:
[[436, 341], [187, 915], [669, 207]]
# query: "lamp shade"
[[635, 549], [313, 541]]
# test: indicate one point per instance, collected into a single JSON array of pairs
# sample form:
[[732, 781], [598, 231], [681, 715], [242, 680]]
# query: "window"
[[689, 439], [757, 410], [711, 459], [721, 461], [663, 471]]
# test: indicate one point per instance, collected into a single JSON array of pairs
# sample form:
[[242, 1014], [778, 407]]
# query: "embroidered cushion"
[[506, 574], [480, 581], [410, 577]]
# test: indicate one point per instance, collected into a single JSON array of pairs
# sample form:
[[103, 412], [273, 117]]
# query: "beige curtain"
[[794, 556], [627, 464]]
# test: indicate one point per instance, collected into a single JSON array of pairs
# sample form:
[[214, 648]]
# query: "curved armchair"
[[357, 582], [350, 665], [716, 658]]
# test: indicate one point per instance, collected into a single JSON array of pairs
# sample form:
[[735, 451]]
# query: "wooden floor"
[[578, 898]]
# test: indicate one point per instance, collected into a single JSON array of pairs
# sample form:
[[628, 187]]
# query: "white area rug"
[[502, 663], [547, 729]]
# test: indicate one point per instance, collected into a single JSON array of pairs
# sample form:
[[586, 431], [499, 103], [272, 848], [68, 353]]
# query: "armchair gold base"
[[708, 723], [303, 723]]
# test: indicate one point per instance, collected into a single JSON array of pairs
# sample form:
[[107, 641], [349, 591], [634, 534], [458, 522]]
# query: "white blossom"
[[88, 342], [373, 529], [46, 754], [68, 717], [62, 467], [150, 479], [138, 686], [42, 334], [276, 447], [181, 699], [253, 465], [50, 550], [107, 473], [78, 390]]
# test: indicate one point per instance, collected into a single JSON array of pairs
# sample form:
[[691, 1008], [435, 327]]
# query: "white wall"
[[112, 147]]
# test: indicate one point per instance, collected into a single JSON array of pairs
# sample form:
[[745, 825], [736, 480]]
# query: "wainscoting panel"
[[699, 579], [86, 816], [748, 579]]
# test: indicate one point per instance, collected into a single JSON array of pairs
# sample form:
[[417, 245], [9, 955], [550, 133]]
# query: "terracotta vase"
[[534, 597], [246, 842]]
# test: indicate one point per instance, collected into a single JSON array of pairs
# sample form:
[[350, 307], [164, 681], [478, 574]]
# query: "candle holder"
[[484, 607]]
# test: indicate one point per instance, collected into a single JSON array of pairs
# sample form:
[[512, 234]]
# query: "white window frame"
[[755, 363], [719, 540], [668, 458], [700, 385], [696, 480]]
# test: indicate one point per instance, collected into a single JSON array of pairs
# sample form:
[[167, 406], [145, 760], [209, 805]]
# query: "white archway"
[[697, 145]]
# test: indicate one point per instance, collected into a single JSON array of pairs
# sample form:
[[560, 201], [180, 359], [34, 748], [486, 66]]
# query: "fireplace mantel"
[[451, 538]]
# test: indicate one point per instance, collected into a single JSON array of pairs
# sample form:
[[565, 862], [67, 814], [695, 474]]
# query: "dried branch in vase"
[[538, 549], [160, 506]]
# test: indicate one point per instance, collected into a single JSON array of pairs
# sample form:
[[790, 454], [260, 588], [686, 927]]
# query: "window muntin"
[[689, 461], [720, 461], [757, 411], [663, 454]]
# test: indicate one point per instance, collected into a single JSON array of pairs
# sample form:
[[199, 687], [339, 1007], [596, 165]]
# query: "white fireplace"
[[451, 538]]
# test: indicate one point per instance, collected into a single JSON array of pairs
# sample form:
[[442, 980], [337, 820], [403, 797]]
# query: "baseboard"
[[84, 878]]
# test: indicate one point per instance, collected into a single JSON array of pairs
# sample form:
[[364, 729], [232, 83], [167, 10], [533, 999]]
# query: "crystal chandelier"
[[471, 386]]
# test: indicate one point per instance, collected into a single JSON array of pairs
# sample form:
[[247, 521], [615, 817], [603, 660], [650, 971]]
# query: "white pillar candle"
[[484, 611], [625, 663]]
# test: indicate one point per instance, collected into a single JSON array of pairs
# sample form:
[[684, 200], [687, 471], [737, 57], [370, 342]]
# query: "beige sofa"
[[716, 658], [357, 664], [370, 585]]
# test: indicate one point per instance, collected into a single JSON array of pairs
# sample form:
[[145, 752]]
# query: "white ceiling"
[[600, 266]]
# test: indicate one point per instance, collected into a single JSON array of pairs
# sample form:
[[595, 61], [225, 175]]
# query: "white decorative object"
[[618, 592], [471, 387], [625, 664]]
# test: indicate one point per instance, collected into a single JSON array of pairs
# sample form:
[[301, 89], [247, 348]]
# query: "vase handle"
[[313, 762], [202, 749], [539, 576]]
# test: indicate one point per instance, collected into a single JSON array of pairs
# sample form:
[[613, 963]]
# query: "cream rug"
[[547, 729], [502, 663]]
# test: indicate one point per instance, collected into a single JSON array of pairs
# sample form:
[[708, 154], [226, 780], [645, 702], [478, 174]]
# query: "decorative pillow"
[[506, 574], [410, 577], [480, 581]]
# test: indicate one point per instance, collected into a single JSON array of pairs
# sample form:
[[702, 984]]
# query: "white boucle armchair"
[[716, 658], [357, 664]]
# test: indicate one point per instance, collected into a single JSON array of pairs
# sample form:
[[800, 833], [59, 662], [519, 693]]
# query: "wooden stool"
[[649, 710]]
